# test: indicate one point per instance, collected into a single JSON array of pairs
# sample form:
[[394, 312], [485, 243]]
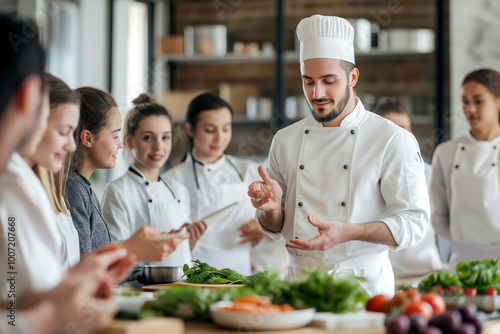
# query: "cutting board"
[[148, 325], [182, 283]]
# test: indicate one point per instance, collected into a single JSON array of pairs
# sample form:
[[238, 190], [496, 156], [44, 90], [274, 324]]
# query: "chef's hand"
[[266, 195], [331, 233], [195, 230], [148, 248], [251, 232]]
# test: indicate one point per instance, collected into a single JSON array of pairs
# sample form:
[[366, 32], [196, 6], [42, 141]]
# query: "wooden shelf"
[[290, 56]]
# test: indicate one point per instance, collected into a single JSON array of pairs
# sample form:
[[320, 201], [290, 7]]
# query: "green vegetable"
[[201, 272], [131, 292], [317, 289], [479, 274], [442, 277]]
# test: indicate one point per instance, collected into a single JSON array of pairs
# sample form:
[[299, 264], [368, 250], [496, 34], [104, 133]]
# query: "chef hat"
[[326, 37]]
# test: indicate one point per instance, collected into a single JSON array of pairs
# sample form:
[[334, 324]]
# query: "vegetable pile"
[[202, 273], [473, 277], [317, 289]]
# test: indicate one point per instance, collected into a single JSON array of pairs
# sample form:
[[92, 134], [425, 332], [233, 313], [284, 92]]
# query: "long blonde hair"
[[55, 183]]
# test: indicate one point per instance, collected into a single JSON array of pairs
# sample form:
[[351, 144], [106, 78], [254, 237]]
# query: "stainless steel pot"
[[162, 274]]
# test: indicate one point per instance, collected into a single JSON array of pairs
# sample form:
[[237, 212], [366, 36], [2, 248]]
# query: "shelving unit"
[[279, 64]]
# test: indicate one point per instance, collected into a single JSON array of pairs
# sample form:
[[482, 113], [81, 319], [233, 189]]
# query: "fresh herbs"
[[470, 274], [202, 273]]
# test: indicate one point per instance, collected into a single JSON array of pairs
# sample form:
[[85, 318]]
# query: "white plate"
[[133, 303], [242, 320]]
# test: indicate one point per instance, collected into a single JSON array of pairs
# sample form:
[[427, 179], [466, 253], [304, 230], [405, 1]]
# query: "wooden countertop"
[[177, 326]]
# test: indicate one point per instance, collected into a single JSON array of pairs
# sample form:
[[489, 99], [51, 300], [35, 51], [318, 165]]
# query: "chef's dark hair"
[[203, 102], [59, 91], [21, 56], [95, 107], [145, 106], [347, 66], [391, 104], [487, 77]]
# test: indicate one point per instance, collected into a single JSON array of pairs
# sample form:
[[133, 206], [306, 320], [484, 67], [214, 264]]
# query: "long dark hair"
[[488, 78], [95, 107]]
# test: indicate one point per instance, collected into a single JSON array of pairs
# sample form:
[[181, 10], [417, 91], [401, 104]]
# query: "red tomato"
[[412, 294], [375, 303], [472, 292], [455, 290], [491, 292], [437, 289], [421, 307], [435, 301]]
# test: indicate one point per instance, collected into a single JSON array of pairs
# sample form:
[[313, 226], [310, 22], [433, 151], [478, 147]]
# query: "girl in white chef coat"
[[142, 197], [465, 189], [97, 143], [215, 180], [425, 257], [49, 158]]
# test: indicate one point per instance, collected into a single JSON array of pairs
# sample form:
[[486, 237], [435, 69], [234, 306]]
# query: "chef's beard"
[[335, 112]]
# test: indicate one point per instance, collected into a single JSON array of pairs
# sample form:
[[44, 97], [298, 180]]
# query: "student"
[[465, 189], [48, 159], [97, 144], [215, 180], [344, 185], [142, 197], [21, 68], [425, 257]]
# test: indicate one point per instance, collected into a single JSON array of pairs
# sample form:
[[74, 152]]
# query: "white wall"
[[474, 44]]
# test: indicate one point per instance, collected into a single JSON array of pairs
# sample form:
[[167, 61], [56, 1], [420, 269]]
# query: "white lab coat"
[[423, 258], [367, 169], [70, 241], [130, 202], [36, 263], [465, 195], [212, 187]]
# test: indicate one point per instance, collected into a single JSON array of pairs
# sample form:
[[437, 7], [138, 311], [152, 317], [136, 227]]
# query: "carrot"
[[257, 305], [258, 300], [286, 308]]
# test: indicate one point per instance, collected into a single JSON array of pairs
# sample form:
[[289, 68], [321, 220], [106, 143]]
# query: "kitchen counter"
[[176, 326]]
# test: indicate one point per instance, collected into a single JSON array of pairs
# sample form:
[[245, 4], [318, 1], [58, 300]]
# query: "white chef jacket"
[[70, 241], [37, 263], [131, 202], [465, 197], [367, 169], [423, 258], [212, 187]]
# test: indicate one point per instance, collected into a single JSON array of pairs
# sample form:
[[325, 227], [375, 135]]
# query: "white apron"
[[376, 267], [219, 244], [475, 202]]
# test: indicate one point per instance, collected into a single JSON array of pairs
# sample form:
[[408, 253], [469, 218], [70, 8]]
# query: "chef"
[[465, 189], [344, 185]]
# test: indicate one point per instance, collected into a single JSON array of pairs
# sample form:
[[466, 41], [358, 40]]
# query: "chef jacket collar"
[[216, 164], [140, 174], [495, 140]]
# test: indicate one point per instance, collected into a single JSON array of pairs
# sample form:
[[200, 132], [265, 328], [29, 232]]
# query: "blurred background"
[[246, 51]]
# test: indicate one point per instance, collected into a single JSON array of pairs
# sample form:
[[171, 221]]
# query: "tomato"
[[455, 290], [472, 292], [396, 301], [412, 294], [435, 301], [437, 289], [491, 292], [375, 303], [420, 307]]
